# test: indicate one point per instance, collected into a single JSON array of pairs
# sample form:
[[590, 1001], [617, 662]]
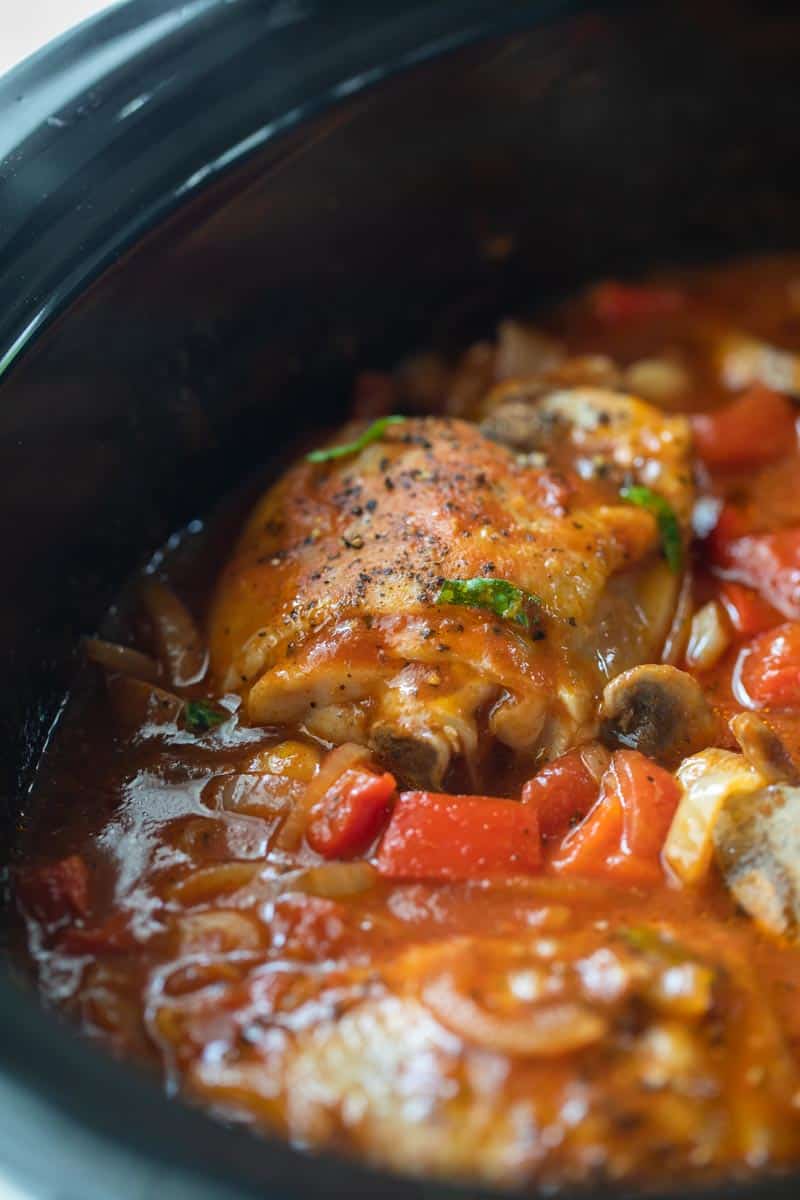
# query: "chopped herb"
[[668, 527], [373, 434], [648, 940], [498, 596], [201, 715]]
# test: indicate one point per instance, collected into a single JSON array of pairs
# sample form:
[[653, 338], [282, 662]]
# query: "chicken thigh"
[[449, 588]]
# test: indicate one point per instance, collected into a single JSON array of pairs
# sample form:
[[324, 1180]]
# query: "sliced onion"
[[543, 1032], [136, 703], [676, 639], [595, 757], [709, 637], [658, 380], [218, 932], [337, 762], [180, 646], [209, 882], [186, 978], [332, 880], [266, 796], [707, 780], [122, 658], [292, 759]]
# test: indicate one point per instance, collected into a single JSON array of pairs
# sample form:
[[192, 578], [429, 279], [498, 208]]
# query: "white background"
[[27, 24]]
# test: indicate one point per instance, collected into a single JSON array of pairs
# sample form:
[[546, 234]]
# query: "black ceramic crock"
[[211, 213]]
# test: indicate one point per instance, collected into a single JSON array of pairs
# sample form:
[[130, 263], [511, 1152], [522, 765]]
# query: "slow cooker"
[[212, 212]]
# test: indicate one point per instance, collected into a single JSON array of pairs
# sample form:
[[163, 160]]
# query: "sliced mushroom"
[[658, 710], [757, 848], [520, 424], [764, 749], [743, 360], [523, 350]]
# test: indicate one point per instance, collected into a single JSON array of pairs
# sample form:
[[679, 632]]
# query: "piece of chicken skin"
[[326, 615]]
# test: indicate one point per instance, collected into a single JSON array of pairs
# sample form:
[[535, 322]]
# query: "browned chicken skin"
[[327, 613]]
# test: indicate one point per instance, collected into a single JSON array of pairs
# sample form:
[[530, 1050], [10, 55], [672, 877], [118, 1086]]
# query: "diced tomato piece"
[[731, 524], [615, 302], [767, 562], [309, 927], [433, 836], [758, 427], [769, 668], [622, 836], [113, 936], [351, 813], [562, 793], [57, 890], [748, 612]]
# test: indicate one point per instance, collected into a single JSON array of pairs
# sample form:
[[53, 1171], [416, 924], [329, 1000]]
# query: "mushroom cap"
[[659, 711]]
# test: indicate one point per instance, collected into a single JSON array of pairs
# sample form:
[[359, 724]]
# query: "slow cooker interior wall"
[[601, 144]]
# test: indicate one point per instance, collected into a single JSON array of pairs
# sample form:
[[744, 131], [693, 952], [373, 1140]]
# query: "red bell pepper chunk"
[[622, 836], [649, 797], [767, 562], [756, 428], [433, 836], [349, 816], [730, 525], [57, 890], [562, 792], [588, 849], [769, 668], [614, 302], [748, 612]]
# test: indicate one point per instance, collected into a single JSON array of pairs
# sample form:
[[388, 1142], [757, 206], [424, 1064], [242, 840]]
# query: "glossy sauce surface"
[[513, 1022]]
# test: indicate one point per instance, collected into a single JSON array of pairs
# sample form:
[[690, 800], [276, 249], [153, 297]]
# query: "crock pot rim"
[[53, 102]]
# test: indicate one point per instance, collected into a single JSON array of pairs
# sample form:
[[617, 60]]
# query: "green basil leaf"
[[664, 513], [373, 434], [498, 596], [647, 940], [201, 715]]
